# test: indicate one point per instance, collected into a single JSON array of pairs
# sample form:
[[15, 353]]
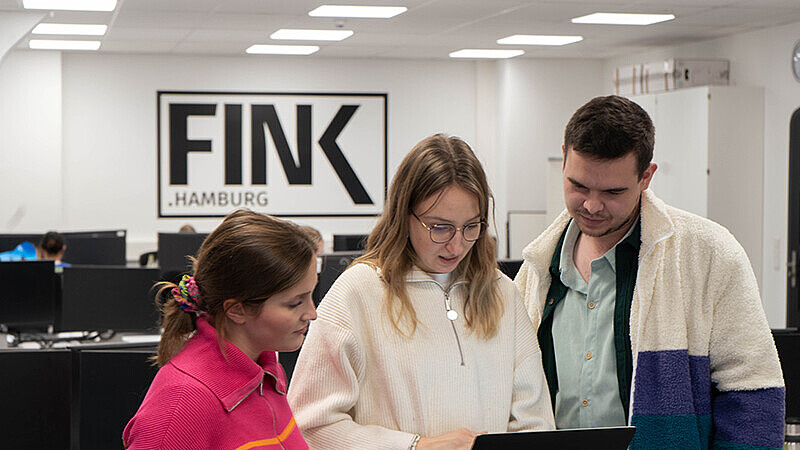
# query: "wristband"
[[415, 442]]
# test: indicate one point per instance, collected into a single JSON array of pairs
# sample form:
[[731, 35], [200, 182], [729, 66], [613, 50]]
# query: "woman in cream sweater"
[[422, 343]]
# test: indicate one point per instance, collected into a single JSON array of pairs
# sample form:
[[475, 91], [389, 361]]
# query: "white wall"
[[110, 122], [760, 58], [30, 142], [536, 98]]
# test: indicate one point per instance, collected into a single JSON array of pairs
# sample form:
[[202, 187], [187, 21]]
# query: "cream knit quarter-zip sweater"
[[359, 383]]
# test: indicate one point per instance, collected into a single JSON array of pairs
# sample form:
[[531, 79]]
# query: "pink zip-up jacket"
[[201, 400]]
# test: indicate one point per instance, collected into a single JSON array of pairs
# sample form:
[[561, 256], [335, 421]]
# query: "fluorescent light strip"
[[360, 12], [261, 49], [484, 53], [70, 28], [623, 19], [44, 44], [537, 39], [311, 35], [71, 5]]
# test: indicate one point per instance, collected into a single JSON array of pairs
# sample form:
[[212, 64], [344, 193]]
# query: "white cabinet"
[[710, 155]]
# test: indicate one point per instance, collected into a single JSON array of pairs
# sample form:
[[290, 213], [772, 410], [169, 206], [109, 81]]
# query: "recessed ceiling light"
[[70, 28], [535, 39], [261, 49], [485, 53], [311, 35], [71, 5], [45, 44], [623, 19], [373, 12]]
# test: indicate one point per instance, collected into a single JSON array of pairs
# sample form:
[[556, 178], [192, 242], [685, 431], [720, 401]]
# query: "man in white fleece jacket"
[[647, 315]]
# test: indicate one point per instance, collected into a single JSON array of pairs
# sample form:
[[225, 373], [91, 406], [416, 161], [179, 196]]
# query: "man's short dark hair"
[[610, 128]]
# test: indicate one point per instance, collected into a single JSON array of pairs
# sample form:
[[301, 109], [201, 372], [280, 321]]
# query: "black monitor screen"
[[27, 295], [787, 342], [175, 248], [117, 298], [332, 266], [349, 242], [510, 267], [10, 241], [95, 247]]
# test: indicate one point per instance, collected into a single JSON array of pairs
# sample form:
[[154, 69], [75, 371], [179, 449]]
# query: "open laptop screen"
[[610, 438]]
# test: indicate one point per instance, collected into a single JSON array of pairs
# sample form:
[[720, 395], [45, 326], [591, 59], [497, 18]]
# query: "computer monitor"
[[27, 295], [787, 341], [174, 250], [95, 247], [9, 241], [332, 266], [106, 297], [510, 267], [349, 242]]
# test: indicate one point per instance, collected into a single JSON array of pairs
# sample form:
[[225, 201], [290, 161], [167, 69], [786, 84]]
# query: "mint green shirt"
[[583, 340]]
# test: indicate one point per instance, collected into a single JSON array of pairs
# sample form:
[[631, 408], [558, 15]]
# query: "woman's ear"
[[234, 311]]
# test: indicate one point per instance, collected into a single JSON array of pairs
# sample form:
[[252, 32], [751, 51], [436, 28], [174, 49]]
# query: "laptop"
[[609, 438]]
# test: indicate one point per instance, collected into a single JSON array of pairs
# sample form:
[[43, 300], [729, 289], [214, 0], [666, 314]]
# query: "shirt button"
[[588, 355], [585, 402], [592, 305]]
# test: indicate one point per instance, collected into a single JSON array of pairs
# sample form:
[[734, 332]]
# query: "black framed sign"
[[286, 154]]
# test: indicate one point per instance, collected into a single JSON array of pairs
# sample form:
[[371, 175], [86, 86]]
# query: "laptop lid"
[[610, 438]]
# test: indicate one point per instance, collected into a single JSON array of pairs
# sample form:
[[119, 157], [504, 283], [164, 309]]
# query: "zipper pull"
[[451, 315]]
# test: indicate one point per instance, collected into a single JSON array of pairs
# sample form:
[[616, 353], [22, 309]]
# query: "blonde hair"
[[249, 257], [434, 164]]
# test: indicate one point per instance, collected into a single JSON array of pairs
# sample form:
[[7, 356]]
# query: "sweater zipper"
[[452, 316], [274, 421]]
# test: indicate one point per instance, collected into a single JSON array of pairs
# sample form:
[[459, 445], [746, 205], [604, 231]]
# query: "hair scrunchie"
[[186, 294]]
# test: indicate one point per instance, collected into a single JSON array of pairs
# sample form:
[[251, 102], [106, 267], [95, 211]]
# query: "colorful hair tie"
[[186, 294]]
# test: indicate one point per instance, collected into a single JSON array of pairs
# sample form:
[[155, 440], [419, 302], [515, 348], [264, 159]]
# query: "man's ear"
[[234, 311]]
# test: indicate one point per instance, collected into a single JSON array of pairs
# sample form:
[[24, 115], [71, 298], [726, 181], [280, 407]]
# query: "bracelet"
[[414, 442]]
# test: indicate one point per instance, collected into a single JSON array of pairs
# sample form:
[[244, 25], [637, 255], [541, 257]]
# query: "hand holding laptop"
[[457, 439]]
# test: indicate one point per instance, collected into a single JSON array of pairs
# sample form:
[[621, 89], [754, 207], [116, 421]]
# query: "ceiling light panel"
[[623, 19], [485, 53], [70, 28], [362, 12], [71, 5], [538, 39], [46, 44], [261, 49], [311, 35]]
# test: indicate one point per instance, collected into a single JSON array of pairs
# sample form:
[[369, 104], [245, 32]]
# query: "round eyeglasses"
[[443, 233]]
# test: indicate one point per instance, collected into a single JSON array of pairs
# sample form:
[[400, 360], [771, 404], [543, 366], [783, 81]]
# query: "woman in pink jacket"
[[220, 385]]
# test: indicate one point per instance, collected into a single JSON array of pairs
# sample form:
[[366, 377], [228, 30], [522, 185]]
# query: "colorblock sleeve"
[[530, 401], [747, 392]]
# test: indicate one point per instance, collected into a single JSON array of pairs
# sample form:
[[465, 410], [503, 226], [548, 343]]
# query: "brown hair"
[[610, 128], [434, 164], [249, 258]]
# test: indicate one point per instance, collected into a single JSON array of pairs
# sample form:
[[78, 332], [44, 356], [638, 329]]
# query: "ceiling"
[[429, 29]]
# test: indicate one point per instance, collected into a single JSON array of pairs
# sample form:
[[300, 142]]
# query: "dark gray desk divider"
[[75, 398]]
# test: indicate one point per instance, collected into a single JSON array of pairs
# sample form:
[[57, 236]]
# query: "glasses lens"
[[442, 233], [472, 231]]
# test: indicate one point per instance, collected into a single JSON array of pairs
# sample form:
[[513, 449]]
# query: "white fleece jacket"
[[700, 342], [358, 383]]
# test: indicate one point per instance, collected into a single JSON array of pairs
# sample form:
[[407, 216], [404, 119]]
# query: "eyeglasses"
[[443, 233]]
